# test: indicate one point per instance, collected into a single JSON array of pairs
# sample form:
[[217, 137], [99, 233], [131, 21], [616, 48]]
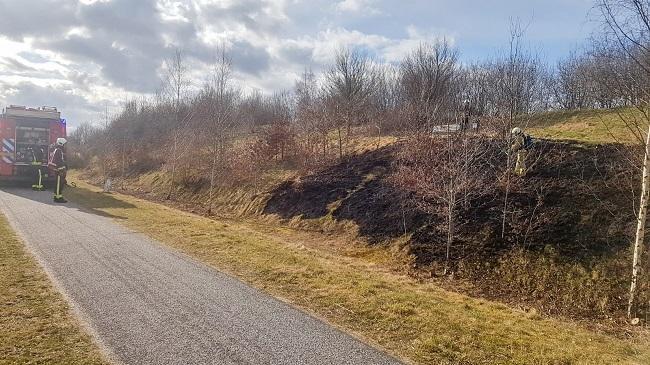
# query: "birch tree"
[[627, 29]]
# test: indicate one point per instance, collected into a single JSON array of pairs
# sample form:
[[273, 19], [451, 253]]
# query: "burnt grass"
[[565, 246], [380, 211], [576, 200]]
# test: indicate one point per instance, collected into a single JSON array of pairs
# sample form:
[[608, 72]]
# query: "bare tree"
[[279, 136], [571, 86], [350, 84], [478, 89], [386, 100], [85, 142], [447, 173], [427, 77], [306, 114], [627, 26], [517, 78], [176, 86], [219, 108]]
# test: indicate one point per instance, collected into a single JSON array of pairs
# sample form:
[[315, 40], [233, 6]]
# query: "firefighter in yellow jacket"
[[59, 166], [520, 144]]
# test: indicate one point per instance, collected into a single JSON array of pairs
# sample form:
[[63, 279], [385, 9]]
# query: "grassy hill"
[[587, 126], [565, 250]]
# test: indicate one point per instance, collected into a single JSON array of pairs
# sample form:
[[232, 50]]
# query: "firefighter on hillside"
[[58, 165], [520, 144], [37, 165], [467, 113]]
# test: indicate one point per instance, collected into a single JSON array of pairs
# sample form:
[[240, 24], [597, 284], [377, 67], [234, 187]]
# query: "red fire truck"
[[25, 130]]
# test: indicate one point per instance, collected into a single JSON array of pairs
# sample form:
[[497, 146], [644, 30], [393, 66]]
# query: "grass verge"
[[36, 325], [416, 321], [595, 126]]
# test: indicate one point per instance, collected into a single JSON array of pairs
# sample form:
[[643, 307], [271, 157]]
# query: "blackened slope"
[[310, 196], [576, 199]]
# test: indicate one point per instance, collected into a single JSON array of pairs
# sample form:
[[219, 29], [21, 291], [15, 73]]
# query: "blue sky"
[[478, 28], [83, 55]]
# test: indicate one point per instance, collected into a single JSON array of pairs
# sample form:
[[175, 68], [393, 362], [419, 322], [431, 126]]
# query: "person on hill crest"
[[521, 142]]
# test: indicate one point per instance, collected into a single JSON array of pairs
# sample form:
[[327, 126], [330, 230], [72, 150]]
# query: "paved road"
[[150, 305]]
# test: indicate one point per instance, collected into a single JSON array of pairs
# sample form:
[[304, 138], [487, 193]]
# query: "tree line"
[[316, 120]]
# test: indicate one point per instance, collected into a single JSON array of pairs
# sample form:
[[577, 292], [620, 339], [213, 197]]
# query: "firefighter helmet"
[[61, 141], [516, 131]]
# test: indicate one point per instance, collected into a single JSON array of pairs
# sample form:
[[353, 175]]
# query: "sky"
[[87, 56]]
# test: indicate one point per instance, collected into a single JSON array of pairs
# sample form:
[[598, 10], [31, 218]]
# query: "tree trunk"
[[451, 201], [123, 160], [378, 136], [640, 228], [212, 172], [340, 144], [505, 199], [508, 172], [451, 227], [171, 182]]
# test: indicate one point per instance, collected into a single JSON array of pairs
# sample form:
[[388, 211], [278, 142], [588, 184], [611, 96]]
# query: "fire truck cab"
[[25, 133]]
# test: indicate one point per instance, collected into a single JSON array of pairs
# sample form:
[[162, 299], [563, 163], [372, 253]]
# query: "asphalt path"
[[148, 304]]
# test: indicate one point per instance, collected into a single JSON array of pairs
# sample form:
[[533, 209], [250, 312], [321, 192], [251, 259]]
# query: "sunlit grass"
[[589, 126]]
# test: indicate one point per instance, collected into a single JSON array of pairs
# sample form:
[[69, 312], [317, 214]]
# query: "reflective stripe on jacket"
[[58, 158]]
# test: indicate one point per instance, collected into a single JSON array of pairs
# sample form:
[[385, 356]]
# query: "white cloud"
[[82, 32], [174, 11], [365, 7], [399, 48], [327, 42]]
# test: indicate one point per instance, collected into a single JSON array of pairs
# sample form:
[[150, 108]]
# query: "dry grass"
[[36, 325], [587, 126], [353, 289], [365, 144]]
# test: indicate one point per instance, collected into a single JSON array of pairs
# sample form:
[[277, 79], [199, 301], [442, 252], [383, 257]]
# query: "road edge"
[[75, 311]]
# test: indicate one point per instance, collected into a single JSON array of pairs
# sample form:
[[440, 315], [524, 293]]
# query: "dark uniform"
[[467, 113], [59, 166]]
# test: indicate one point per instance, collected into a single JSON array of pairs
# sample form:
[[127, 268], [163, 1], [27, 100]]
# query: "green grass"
[[355, 290], [36, 325], [588, 126]]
